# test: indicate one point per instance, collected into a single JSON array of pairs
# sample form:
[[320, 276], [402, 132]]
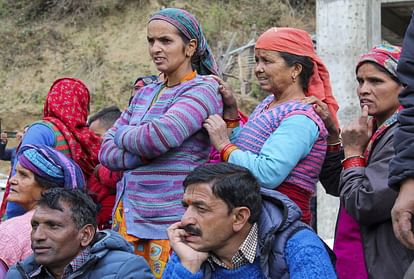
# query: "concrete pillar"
[[344, 30]]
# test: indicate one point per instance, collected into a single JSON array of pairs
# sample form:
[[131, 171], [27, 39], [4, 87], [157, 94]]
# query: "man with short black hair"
[[101, 121], [233, 229], [102, 184], [65, 243]]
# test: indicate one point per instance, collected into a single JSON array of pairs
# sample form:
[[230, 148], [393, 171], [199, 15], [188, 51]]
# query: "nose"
[[154, 47], [38, 234], [258, 68], [13, 180], [364, 88], [188, 218]]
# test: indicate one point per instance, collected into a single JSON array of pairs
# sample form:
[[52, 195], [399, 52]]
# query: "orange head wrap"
[[298, 42]]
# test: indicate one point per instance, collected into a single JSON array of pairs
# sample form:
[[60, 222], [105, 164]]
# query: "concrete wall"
[[345, 29]]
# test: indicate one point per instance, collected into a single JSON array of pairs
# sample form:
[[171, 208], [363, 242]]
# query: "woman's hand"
[[229, 101], [323, 111], [217, 130], [356, 135]]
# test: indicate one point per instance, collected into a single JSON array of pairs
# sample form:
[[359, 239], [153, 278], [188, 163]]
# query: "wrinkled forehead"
[[44, 214]]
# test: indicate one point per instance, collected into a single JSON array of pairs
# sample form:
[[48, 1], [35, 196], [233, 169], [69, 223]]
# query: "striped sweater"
[[157, 146], [262, 124]]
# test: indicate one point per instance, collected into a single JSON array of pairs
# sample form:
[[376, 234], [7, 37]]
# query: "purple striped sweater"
[[170, 137], [262, 124]]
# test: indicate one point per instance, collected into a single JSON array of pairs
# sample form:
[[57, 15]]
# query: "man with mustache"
[[233, 229], [66, 245]]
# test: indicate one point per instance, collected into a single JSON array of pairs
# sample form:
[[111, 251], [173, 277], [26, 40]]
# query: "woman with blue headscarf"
[[38, 169], [159, 139]]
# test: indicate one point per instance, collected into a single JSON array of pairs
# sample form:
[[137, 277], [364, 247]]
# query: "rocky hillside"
[[104, 43]]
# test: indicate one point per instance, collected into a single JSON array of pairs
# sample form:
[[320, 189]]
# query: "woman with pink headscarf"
[[357, 171]]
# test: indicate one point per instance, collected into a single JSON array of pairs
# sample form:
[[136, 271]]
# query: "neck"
[[176, 77], [226, 252], [293, 92], [380, 119], [57, 271]]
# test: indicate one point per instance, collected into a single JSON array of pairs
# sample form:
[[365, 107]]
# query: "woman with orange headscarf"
[[284, 141]]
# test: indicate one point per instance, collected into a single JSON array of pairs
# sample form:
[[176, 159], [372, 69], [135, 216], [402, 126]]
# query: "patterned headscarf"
[[67, 106], [51, 165], [203, 60], [298, 42], [385, 55]]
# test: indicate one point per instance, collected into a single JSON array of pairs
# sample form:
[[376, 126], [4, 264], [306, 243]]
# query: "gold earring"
[[293, 78]]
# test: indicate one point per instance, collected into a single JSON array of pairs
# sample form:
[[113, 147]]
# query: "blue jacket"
[[402, 165], [110, 257], [287, 247]]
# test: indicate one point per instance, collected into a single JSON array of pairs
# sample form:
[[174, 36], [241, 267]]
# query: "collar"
[[244, 255], [73, 266]]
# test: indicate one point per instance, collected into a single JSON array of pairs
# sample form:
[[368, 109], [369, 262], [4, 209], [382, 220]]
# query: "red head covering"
[[298, 42], [66, 106]]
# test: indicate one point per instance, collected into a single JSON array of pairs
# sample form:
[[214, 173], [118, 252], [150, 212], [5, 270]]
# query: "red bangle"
[[353, 162], [226, 151]]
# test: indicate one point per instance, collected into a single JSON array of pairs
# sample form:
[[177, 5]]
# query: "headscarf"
[[298, 42], [67, 106], [385, 55], [51, 165], [203, 60]]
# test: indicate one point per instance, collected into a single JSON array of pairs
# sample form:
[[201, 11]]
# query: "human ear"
[[86, 235], [297, 69], [190, 48], [241, 216]]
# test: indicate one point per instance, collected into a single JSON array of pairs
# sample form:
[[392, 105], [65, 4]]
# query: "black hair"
[[307, 67], [235, 185], [381, 69], [47, 183], [107, 116], [84, 210]]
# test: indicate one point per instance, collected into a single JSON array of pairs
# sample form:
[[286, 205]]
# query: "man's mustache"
[[190, 229]]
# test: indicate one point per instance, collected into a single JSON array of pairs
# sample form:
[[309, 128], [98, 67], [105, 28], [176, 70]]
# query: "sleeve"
[[331, 172], [183, 119], [402, 165], [364, 190], [307, 257], [113, 157], [281, 152], [175, 270], [134, 267]]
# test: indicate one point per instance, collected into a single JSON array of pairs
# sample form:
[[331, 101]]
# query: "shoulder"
[[17, 224], [203, 84], [28, 265], [121, 263], [305, 244]]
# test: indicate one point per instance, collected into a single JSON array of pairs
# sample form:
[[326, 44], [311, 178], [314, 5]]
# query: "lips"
[[40, 250], [364, 102], [158, 60]]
